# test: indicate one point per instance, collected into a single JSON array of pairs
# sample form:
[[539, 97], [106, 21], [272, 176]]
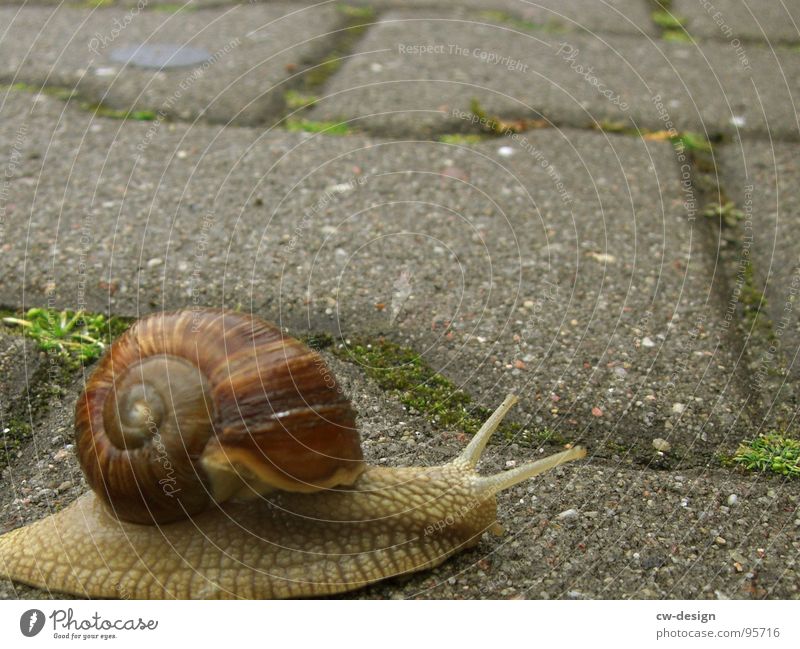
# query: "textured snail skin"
[[297, 545], [391, 522]]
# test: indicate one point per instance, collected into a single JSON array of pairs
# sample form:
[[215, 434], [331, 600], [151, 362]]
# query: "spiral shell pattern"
[[197, 406]]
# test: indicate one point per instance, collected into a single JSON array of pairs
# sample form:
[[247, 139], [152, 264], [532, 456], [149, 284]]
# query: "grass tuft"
[[668, 20], [297, 100], [727, 214], [314, 126], [773, 452], [673, 26], [693, 142], [75, 336]]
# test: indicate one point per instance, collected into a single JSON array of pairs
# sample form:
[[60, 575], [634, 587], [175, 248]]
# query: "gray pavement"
[[703, 533], [416, 73], [762, 179], [572, 265], [229, 64], [610, 16], [20, 364], [765, 21], [563, 250]]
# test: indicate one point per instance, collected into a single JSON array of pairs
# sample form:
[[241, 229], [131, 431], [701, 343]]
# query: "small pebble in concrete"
[[63, 454], [661, 445], [569, 514]]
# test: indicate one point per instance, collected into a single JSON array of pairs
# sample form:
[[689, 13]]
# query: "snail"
[[225, 462]]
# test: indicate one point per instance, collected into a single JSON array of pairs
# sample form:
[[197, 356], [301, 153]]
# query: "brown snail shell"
[[197, 406]]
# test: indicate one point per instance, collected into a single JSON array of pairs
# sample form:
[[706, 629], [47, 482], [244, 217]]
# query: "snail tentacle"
[[472, 453], [494, 484]]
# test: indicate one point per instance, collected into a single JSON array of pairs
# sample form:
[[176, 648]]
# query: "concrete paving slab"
[[614, 16], [233, 61], [563, 265], [571, 267], [773, 21], [761, 177], [418, 73], [19, 364], [591, 530]]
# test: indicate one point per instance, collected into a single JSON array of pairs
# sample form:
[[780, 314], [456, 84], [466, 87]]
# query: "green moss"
[[318, 341], [617, 447], [726, 460], [59, 92], [490, 124], [116, 113], [677, 35], [71, 95], [356, 21], [320, 73], [116, 326], [751, 297], [404, 373], [14, 432], [773, 452], [360, 14], [668, 20], [553, 26], [549, 436], [47, 383], [69, 339], [462, 138], [297, 100], [314, 126], [672, 26], [92, 4], [754, 306]]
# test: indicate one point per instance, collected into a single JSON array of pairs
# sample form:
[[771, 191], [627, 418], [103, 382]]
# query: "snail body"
[[224, 463]]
